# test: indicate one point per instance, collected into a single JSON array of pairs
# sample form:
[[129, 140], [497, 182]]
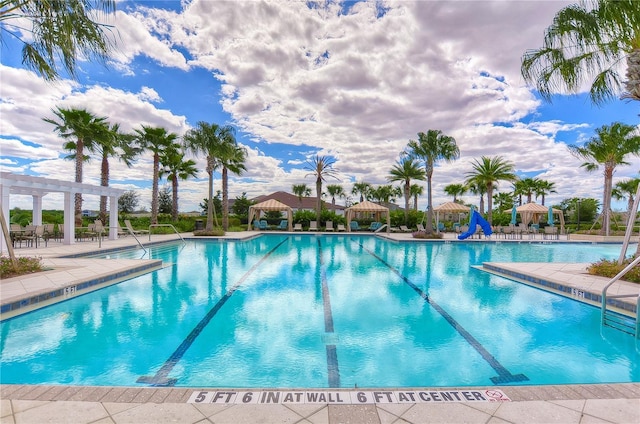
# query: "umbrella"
[[550, 216], [514, 213]]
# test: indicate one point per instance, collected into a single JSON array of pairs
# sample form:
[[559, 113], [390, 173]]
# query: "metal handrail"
[[134, 236], [621, 274], [165, 225]]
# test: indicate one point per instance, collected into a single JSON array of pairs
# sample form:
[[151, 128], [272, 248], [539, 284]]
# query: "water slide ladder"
[[617, 321]]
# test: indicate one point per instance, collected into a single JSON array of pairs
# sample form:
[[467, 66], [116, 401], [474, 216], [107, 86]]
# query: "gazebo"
[[449, 207], [367, 206], [531, 212], [270, 205]]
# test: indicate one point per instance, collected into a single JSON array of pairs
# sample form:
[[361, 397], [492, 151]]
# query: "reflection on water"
[[272, 330]]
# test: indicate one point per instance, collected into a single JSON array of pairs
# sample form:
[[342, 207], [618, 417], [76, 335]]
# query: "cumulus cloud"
[[355, 81]]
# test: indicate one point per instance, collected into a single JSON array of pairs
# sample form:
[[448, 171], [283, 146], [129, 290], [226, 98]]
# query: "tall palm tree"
[[432, 147], [609, 148], [321, 167], [488, 172], [386, 193], [301, 190], [114, 144], [335, 190], [455, 190], [208, 139], [626, 189], [362, 189], [232, 158], [543, 188], [155, 140], [176, 168], [59, 32], [416, 191], [588, 40], [81, 129], [404, 171]]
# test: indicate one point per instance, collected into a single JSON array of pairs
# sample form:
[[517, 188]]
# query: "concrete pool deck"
[[598, 403]]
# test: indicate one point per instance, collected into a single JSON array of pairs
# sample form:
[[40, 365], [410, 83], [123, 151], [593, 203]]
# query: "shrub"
[[425, 235], [610, 269], [215, 232], [26, 265]]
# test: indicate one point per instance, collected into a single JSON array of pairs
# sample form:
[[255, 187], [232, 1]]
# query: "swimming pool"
[[311, 311]]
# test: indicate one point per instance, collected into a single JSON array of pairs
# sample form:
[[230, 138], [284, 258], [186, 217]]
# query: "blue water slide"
[[476, 219]]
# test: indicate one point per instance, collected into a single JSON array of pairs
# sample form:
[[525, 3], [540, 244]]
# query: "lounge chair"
[[284, 225], [405, 229], [297, 227], [421, 228], [354, 226], [313, 226], [341, 227], [329, 226], [127, 224], [374, 226]]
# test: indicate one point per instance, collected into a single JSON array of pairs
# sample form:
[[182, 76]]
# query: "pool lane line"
[[333, 370], [504, 375], [160, 378]]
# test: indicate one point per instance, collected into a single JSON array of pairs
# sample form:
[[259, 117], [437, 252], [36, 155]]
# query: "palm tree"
[[320, 167], [488, 172], [59, 32], [301, 190], [525, 187], [479, 190], [176, 168], [432, 147], [543, 188], [156, 140], [81, 129], [232, 158], [386, 193], [362, 189], [405, 171], [626, 189], [335, 190], [208, 139], [416, 191], [609, 148], [504, 201], [588, 40], [113, 144], [455, 190]]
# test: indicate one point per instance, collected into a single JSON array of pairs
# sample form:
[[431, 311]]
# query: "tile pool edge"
[[582, 294], [36, 300]]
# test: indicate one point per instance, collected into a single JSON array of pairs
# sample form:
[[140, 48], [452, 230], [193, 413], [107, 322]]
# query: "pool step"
[[619, 322]]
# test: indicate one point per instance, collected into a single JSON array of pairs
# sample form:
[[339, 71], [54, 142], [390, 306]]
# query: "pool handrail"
[[621, 274], [165, 225]]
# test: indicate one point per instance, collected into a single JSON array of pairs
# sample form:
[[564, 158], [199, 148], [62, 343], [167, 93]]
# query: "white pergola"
[[39, 187]]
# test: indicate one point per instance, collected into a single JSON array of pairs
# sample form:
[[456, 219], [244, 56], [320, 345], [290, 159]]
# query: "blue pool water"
[[310, 311]]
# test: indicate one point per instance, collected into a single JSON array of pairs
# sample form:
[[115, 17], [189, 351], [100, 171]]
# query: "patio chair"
[[313, 226], [341, 227], [297, 227], [354, 226], [127, 224], [284, 225], [35, 235]]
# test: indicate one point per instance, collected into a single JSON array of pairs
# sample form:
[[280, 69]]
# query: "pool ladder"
[[617, 321]]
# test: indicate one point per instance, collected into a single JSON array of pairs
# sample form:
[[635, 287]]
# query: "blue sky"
[[354, 81]]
